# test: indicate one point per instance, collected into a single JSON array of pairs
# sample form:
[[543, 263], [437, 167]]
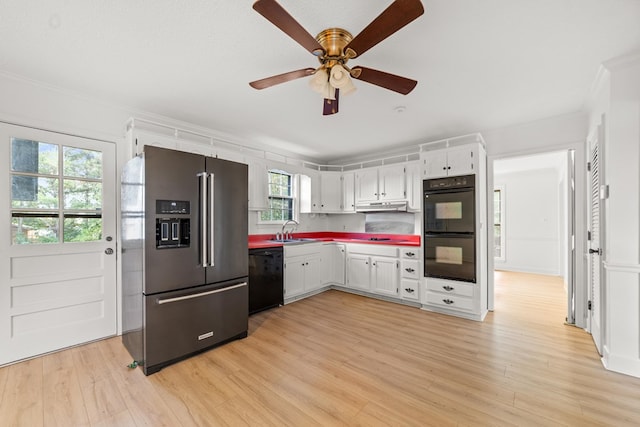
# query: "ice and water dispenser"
[[172, 231]]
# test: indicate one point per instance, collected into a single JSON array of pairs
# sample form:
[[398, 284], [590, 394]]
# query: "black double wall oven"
[[450, 228]]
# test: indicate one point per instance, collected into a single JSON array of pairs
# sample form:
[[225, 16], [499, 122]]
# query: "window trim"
[[293, 197]]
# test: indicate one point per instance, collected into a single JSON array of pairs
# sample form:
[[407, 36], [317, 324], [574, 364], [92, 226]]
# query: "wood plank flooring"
[[342, 359]]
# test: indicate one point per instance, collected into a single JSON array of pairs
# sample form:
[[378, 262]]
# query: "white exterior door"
[[596, 241], [57, 241]]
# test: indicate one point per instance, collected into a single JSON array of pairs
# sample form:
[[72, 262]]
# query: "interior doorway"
[[533, 218]]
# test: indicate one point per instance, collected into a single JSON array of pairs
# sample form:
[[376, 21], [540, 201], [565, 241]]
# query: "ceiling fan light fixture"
[[341, 79], [319, 80]]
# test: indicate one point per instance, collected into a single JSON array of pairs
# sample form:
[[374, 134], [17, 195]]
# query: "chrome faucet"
[[288, 235]]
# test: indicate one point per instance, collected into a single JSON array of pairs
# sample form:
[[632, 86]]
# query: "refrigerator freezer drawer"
[[180, 324]]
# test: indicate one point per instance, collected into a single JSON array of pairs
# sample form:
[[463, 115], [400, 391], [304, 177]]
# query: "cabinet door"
[[312, 272], [367, 185], [358, 272], [461, 161], [434, 164], [294, 276], [258, 185], [316, 191], [391, 182], [348, 192], [385, 275], [339, 264], [331, 191], [414, 186]]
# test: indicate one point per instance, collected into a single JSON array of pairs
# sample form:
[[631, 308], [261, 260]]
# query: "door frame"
[[579, 221]]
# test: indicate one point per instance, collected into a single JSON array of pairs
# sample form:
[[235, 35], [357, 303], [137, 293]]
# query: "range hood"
[[381, 206]]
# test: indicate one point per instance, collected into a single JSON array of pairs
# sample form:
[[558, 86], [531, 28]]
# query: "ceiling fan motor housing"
[[333, 40]]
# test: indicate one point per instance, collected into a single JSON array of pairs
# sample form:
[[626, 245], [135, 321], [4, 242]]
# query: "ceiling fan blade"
[[281, 78], [279, 17], [396, 16], [330, 106], [392, 82]]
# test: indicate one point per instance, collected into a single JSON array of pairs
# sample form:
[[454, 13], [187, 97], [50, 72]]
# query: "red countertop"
[[265, 240]]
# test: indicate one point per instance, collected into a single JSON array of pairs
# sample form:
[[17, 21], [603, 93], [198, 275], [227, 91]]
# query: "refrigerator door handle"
[[203, 216], [201, 294], [212, 223]]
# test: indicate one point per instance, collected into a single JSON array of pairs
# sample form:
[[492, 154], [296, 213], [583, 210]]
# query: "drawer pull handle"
[[448, 288], [202, 294], [447, 301], [409, 270], [409, 290], [410, 254]]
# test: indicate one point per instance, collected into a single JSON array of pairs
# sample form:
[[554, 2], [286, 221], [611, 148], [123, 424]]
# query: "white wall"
[[616, 104], [532, 221]]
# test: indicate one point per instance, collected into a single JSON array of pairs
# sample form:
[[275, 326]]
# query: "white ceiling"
[[480, 64]]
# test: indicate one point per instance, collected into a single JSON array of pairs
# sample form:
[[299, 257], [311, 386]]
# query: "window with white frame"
[[498, 223], [56, 193], [281, 197]]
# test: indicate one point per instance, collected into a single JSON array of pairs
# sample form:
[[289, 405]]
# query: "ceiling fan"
[[334, 47]]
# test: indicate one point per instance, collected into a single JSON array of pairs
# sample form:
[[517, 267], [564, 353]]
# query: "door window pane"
[[82, 194], [34, 229], [31, 192], [34, 157], [82, 229], [81, 163]]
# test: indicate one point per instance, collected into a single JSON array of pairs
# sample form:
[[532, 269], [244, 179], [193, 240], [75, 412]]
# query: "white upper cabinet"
[[331, 191], [380, 184], [367, 185], [392, 182], [452, 161], [348, 192], [258, 185], [414, 186], [326, 192]]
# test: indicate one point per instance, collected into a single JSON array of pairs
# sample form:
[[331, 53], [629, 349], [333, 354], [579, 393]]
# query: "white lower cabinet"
[[373, 268], [384, 270], [410, 274], [302, 269], [384, 275], [452, 295], [333, 263], [358, 271]]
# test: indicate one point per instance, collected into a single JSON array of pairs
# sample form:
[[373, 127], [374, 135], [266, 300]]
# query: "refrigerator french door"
[[185, 263]]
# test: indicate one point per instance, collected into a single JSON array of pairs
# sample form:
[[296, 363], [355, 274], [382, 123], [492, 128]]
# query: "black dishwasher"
[[265, 279]]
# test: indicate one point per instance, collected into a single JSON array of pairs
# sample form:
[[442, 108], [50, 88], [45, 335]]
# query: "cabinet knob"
[[410, 254], [409, 270], [447, 301], [448, 288], [409, 290]]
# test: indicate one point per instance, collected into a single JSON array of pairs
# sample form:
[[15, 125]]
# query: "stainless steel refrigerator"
[[184, 255]]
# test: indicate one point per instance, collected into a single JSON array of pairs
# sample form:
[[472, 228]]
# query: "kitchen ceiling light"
[[340, 79]]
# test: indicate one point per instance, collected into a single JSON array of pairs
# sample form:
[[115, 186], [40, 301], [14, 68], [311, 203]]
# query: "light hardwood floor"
[[342, 359]]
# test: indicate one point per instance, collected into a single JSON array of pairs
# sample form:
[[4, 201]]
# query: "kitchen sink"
[[297, 240]]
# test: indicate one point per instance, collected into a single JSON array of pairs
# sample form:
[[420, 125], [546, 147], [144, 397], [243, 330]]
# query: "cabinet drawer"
[[409, 289], [410, 269], [373, 250], [410, 253], [449, 301], [450, 287]]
